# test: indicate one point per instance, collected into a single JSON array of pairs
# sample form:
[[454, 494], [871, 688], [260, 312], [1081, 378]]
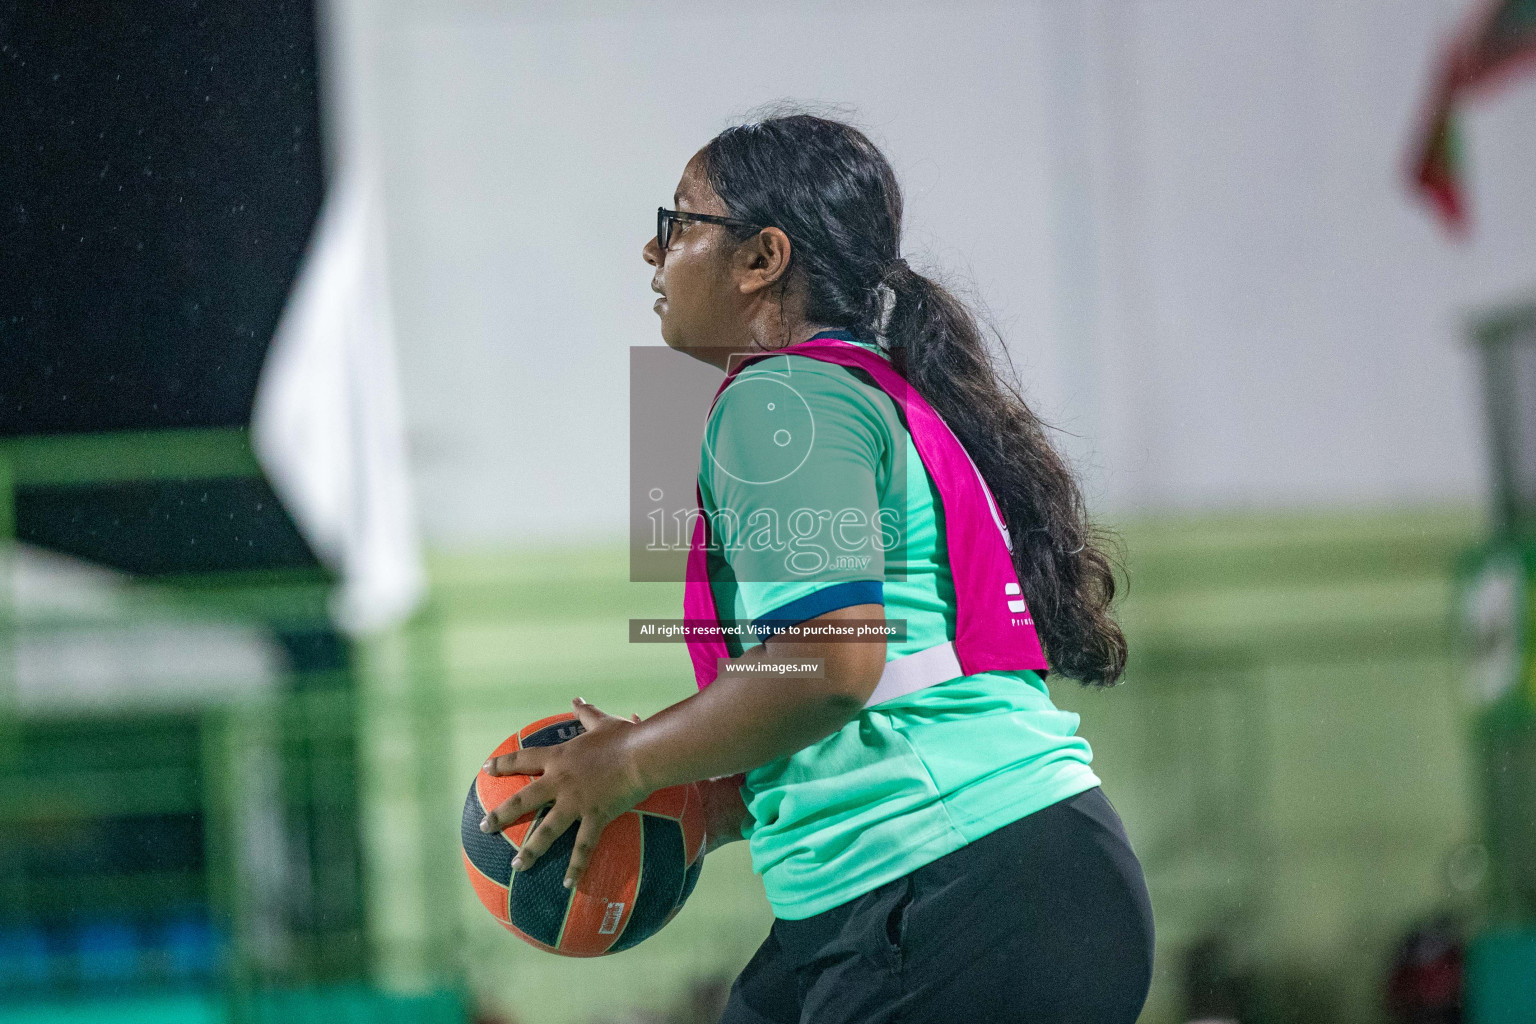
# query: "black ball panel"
[[550, 735], [690, 879], [662, 861], [539, 900], [489, 852]]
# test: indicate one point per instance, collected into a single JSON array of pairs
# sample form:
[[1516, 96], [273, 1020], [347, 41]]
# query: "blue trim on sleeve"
[[831, 598]]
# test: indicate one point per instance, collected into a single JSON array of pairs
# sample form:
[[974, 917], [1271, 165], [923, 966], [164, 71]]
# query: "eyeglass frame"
[[665, 219]]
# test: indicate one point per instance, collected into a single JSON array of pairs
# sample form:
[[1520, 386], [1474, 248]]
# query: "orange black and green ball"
[[643, 869]]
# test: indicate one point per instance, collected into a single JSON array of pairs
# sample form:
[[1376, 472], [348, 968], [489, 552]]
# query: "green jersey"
[[821, 501]]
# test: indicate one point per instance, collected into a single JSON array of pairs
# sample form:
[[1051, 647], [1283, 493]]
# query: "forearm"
[[746, 719], [737, 723], [741, 721]]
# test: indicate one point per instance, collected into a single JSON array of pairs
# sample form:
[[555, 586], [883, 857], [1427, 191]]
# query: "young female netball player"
[[932, 840]]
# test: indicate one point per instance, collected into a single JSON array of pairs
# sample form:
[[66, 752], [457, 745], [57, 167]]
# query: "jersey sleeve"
[[794, 455]]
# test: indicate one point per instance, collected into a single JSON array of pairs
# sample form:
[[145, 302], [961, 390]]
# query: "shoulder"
[[791, 384], [786, 412]]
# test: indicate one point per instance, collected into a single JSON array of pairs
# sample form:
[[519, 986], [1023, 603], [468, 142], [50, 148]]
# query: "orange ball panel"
[[605, 899], [507, 746], [494, 790], [671, 802], [492, 894]]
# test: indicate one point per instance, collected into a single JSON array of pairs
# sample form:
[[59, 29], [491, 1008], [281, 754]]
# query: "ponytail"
[[1067, 578]]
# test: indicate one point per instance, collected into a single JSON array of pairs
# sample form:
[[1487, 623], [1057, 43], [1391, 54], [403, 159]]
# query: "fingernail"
[[567, 883], [517, 863], [486, 767], [485, 823]]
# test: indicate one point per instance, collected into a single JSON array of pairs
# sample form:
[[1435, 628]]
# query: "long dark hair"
[[835, 195]]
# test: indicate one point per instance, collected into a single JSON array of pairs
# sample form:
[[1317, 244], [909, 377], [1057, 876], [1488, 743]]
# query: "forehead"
[[693, 189]]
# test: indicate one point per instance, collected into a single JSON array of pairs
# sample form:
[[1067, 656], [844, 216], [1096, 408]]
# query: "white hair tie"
[[887, 296]]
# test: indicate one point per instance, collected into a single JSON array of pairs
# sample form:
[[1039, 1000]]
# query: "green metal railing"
[[271, 785]]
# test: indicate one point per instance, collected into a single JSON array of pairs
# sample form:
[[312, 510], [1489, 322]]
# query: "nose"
[[652, 252]]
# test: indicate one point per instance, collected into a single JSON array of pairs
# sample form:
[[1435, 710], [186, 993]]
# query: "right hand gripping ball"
[[645, 865]]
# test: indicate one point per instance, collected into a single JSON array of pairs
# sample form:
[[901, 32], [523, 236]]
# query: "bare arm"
[[740, 721], [743, 720]]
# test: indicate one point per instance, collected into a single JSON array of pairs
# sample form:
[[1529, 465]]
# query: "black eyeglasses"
[[666, 218]]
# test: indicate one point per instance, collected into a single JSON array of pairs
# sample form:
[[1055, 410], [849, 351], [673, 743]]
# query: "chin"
[[673, 333], [670, 338]]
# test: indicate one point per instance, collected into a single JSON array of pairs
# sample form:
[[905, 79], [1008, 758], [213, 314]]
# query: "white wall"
[[1187, 215], [1281, 323]]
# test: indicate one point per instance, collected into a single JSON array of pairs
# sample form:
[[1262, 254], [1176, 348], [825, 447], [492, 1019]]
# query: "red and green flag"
[[1497, 40]]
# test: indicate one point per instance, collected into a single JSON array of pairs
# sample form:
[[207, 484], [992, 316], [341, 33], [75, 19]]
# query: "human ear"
[[762, 260]]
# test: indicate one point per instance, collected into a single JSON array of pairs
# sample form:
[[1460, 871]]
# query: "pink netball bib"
[[993, 627]]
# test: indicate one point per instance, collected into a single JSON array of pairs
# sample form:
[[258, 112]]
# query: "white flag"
[[327, 426]]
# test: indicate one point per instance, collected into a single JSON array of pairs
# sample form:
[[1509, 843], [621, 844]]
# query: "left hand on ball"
[[590, 777]]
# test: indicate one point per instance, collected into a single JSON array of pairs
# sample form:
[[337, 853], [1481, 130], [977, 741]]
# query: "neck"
[[758, 342]]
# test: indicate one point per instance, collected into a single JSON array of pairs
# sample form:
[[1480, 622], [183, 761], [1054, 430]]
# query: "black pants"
[[1044, 921]]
